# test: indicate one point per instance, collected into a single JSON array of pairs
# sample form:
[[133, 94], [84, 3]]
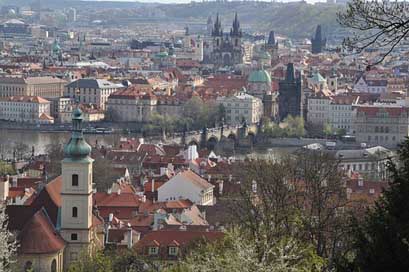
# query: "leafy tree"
[[237, 253], [8, 244], [96, 262], [21, 150], [378, 24], [6, 169], [327, 129], [381, 240], [293, 126], [103, 173], [55, 153]]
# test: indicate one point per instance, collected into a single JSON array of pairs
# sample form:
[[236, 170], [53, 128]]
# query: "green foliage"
[[110, 261], [290, 127], [381, 240], [196, 115], [6, 169], [327, 129], [97, 262], [236, 252]]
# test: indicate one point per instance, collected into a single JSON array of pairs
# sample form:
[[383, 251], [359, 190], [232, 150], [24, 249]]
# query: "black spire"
[[318, 42], [235, 31], [217, 29], [290, 75], [271, 38]]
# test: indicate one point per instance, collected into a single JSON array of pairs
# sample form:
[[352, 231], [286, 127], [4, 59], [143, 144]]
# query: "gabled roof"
[[54, 190], [182, 238], [194, 178], [39, 236]]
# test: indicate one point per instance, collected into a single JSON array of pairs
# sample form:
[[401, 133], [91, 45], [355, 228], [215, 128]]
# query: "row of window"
[[172, 251]]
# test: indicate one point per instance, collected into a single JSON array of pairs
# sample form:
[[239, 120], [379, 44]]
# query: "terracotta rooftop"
[[25, 99], [39, 236], [182, 238], [195, 179], [54, 190]]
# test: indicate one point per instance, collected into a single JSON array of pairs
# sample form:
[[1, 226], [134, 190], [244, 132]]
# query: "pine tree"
[[381, 241]]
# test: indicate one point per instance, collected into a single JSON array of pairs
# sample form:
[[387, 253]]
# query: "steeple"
[[77, 148], [290, 74], [236, 31], [217, 29], [318, 42], [271, 39]]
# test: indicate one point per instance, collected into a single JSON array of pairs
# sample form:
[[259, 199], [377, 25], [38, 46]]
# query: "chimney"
[[109, 191], [141, 140], [153, 185], [130, 242], [110, 217], [119, 191]]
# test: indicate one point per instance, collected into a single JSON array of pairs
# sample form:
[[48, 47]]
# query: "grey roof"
[[93, 84], [30, 80], [364, 153]]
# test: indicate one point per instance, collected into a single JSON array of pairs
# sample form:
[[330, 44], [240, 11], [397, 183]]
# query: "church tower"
[[235, 33], [217, 33], [76, 193], [318, 42]]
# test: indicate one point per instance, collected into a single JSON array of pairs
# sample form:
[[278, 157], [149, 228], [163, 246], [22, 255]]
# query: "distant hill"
[[297, 20]]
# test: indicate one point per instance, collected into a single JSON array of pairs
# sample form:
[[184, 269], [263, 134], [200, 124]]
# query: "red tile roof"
[[54, 190], [39, 236], [182, 238], [373, 111]]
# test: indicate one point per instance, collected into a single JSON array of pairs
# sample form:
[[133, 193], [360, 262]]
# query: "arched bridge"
[[212, 136]]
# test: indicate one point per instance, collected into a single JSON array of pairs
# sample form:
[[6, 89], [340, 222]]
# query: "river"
[[40, 140]]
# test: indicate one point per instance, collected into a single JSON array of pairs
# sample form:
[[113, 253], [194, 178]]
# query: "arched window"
[[54, 266], [74, 180], [74, 212]]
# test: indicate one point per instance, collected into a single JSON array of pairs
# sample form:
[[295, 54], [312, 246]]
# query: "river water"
[[40, 140]]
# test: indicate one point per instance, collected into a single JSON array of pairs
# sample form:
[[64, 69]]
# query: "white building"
[[381, 124], [376, 86], [91, 91], [187, 185], [31, 109], [242, 106], [131, 105], [336, 111]]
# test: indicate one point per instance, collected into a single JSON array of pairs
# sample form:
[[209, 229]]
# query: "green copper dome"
[[160, 55], [77, 148], [259, 76], [317, 77]]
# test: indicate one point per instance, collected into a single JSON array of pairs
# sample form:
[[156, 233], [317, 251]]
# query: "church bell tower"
[[76, 193]]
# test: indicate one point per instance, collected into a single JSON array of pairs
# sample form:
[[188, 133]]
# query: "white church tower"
[[76, 194]]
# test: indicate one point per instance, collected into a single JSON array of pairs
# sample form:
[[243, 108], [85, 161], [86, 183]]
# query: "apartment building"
[[381, 124], [132, 104], [47, 87], [31, 109], [91, 91], [242, 106]]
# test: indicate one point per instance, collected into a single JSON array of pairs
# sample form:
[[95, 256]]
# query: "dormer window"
[[153, 250], [173, 251], [74, 180]]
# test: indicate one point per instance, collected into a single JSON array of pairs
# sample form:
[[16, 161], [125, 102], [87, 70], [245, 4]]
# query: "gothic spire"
[[271, 38], [217, 29], [235, 31]]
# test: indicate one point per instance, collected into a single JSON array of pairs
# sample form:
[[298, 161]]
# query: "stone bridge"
[[212, 136]]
